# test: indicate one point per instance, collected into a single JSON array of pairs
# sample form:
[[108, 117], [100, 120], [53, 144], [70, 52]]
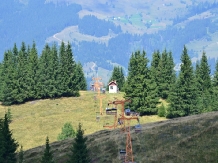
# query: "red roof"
[[113, 82]]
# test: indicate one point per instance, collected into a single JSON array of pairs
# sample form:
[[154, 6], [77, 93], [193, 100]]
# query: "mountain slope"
[[106, 32], [188, 139]]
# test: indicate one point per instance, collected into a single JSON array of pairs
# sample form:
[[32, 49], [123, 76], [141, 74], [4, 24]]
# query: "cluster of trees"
[[118, 75], [98, 27], [193, 91], [25, 76], [79, 150]]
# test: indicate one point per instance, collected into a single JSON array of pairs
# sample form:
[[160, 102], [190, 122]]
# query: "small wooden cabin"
[[113, 87]]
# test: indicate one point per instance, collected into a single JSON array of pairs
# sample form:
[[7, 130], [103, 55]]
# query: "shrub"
[[161, 111], [67, 132]]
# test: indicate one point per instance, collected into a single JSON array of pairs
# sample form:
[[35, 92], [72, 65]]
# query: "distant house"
[[113, 87]]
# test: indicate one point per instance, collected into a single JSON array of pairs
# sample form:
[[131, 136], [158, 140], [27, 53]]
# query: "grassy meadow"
[[34, 120]]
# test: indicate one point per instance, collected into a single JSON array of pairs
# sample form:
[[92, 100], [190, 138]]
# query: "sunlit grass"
[[35, 120]]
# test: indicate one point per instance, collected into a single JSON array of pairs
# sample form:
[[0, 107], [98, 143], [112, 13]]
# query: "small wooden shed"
[[113, 87]]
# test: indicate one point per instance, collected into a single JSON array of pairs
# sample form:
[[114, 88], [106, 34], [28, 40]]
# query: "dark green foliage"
[[204, 84], [24, 76], [80, 77], [44, 78], [161, 111], [67, 132], [155, 71], [54, 75], [118, 75], [8, 145], [68, 85], [9, 115], [20, 155], [1, 81], [9, 82], [47, 156], [33, 74], [166, 74], [183, 97], [80, 153], [215, 89], [140, 86]]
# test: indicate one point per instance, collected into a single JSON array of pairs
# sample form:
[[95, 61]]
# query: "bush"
[[161, 111], [67, 132]]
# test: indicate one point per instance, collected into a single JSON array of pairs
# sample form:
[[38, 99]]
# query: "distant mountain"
[[106, 33]]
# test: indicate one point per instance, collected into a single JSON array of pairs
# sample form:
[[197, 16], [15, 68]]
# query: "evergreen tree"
[[155, 71], [204, 84], [9, 90], [214, 102], [183, 98], [80, 77], [44, 78], [118, 75], [2, 148], [140, 86], [47, 156], [53, 70], [32, 74], [67, 132], [166, 74], [69, 83], [171, 74], [20, 155], [73, 88], [80, 153], [22, 72], [9, 144], [1, 82], [121, 80]]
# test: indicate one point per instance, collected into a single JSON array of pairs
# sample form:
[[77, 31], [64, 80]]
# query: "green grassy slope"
[[35, 120], [190, 139]]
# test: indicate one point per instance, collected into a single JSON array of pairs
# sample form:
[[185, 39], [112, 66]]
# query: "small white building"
[[113, 87]]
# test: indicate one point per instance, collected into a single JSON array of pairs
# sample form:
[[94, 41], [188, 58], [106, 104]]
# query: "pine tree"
[[47, 156], [140, 86], [62, 70], [32, 74], [155, 72], [80, 77], [9, 144], [118, 75], [166, 74], [80, 153], [20, 155], [1, 82], [183, 98], [121, 80], [214, 101], [44, 84], [22, 72], [2, 148], [204, 84], [72, 83], [53, 69], [9, 90], [69, 83]]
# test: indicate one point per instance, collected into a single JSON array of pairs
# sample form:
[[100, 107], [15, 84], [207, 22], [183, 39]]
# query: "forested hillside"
[[108, 32]]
